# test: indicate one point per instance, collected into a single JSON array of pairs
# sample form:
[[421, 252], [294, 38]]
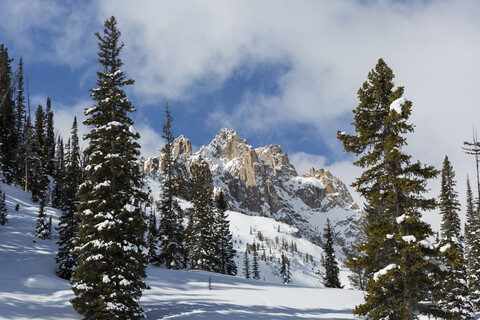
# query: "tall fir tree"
[[454, 290], [112, 256], [8, 137], [19, 127], [58, 192], [285, 269], [225, 250], [38, 156], [50, 138], [171, 233], [41, 230], [472, 249], [330, 279], [68, 198], [395, 256], [152, 238], [199, 234], [255, 271], [3, 208], [246, 265]]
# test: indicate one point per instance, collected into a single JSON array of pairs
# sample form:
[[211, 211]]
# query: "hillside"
[[29, 288]]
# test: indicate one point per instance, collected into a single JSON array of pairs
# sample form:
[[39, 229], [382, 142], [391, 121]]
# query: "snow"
[[29, 288], [398, 104], [384, 271], [409, 239], [401, 218], [445, 247]]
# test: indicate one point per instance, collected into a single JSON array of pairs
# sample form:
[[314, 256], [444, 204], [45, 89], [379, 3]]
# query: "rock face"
[[262, 181]]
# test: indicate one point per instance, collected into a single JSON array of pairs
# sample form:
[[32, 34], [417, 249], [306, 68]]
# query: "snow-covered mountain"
[[262, 181], [29, 288]]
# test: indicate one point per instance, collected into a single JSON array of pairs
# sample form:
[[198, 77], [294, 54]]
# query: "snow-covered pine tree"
[[8, 137], [152, 238], [225, 250], [19, 127], [472, 249], [38, 156], [58, 192], [285, 269], [41, 231], [454, 291], [255, 271], [112, 256], [171, 233], [246, 264], [200, 235], [68, 225], [330, 278], [396, 254], [3, 208]]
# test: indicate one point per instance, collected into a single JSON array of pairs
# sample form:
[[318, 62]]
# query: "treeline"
[[105, 236], [406, 270]]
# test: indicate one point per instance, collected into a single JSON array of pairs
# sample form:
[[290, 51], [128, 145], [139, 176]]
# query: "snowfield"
[[29, 288]]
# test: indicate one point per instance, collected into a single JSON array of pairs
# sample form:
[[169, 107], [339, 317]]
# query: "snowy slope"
[[29, 288]]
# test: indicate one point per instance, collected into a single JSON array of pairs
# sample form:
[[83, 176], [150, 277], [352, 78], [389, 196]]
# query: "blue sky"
[[277, 72]]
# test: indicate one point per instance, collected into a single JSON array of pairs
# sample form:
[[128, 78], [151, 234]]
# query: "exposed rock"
[[262, 181]]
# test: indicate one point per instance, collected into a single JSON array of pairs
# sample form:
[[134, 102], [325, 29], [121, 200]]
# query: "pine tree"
[[472, 249], [255, 271], [330, 279], [19, 127], [39, 156], [58, 192], [8, 137], [41, 231], [246, 265], [50, 138], [68, 198], [152, 238], [225, 250], [171, 232], [112, 255], [285, 269], [454, 291], [396, 255], [3, 209], [200, 235]]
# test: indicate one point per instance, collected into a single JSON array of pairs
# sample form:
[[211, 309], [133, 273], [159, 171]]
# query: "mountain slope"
[[29, 288]]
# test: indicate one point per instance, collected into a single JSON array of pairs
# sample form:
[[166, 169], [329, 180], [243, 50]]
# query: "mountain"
[[262, 181]]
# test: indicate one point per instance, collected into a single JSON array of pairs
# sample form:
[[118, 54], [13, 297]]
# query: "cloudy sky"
[[278, 72]]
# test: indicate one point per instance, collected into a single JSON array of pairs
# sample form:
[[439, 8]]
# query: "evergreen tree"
[[8, 137], [454, 291], [50, 138], [285, 269], [152, 238], [255, 271], [225, 250], [19, 127], [29, 154], [200, 235], [395, 255], [3, 208], [330, 279], [39, 156], [58, 192], [171, 230], [68, 198], [246, 265], [41, 231], [472, 249], [112, 255]]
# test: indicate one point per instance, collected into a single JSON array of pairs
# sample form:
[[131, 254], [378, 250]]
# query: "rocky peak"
[[276, 159], [182, 146]]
